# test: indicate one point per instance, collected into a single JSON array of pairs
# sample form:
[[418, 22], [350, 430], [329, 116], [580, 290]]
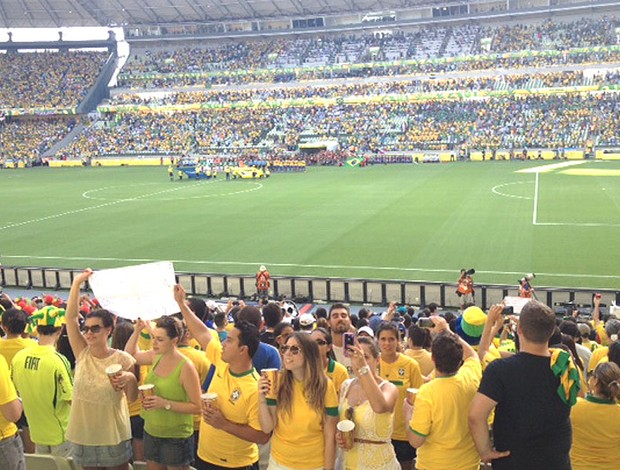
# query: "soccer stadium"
[[439, 176]]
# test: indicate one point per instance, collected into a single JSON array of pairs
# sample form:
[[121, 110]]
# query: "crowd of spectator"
[[212, 384], [29, 139], [48, 79], [307, 58], [548, 121]]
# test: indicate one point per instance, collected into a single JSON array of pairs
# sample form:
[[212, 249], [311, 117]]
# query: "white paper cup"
[[411, 394], [209, 400], [347, 428]]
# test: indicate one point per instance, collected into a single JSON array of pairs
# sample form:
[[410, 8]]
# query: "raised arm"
[[266, 414], [382, 400], [76, 339], [143, 358], [491, 328], [596, 312], [197, 328]]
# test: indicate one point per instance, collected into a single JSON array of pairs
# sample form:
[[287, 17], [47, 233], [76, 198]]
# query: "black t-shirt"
[[268, 337], [531, 421]]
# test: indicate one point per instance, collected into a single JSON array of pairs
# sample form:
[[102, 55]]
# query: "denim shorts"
[[170, 451], [137, 427], [12, 453], [102, 456]]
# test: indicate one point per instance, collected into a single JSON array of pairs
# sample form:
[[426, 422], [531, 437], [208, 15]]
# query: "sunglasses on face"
[[92, 329], [320, 342], [293, 349]]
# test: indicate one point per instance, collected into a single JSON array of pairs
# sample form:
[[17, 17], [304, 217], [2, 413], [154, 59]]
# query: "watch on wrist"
[[364, 370], [168, 406]]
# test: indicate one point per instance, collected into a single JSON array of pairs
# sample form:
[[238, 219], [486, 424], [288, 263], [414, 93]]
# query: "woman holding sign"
[[99, 428], [168, 420]]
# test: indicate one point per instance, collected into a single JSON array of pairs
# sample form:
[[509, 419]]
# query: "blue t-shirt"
[[266, 357]]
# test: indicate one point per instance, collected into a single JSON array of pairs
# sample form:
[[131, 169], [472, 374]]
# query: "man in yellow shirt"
[[230, 429], [438, 427], [11, 448], [14, 323]]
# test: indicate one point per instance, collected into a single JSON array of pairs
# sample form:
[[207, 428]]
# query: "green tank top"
[[163, 423]]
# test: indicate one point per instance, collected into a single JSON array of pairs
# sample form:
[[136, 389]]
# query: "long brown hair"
[[314, 382]]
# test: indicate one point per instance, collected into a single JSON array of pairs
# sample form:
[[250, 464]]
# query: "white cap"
[[262, 268], [367, 330], [307, 319]]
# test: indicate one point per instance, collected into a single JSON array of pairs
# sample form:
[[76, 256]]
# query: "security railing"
[[316, 289]]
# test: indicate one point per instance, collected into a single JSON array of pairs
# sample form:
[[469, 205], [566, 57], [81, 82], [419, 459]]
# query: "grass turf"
[[418, 222]]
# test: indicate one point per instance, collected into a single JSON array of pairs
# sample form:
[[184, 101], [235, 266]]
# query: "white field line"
[[535, 211], [142, 197], [294, 265], [552, 167]]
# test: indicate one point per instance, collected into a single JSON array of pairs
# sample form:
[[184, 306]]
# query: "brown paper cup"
[[209, 400], [273, 375], [113, 370], [411, 394], [347, 428], [146, 390]]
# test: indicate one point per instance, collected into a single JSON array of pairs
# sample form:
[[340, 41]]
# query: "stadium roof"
[[65, 13]]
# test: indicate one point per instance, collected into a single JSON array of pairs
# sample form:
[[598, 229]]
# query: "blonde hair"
[[607, 375], [314, 381]]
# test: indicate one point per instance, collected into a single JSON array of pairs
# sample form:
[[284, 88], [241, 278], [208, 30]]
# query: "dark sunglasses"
[[93, 329], [293, 349], [348, 414], [321, 342]]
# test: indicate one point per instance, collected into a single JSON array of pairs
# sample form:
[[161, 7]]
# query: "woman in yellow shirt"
[[334, 370], [304, 413], [596, 421]]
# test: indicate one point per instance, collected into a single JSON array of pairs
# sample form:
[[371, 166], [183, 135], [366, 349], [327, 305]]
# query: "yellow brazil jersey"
[[601, 333], [596, 434], [338, 373], [598, 355], [238, 401], [423, 358], [202, 364], [404, 373], [7, 395], [440, 415], [298, 439], [10, 347]]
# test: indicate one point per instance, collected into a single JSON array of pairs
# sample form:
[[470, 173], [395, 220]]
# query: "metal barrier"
[[314, 289]]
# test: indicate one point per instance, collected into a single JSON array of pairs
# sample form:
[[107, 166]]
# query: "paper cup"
[[273, 375], [113, 370], [347, 428], [146, 390], [411, 394], [209, 400]]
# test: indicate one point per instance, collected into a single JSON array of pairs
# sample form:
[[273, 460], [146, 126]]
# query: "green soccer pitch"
[[415, 222]]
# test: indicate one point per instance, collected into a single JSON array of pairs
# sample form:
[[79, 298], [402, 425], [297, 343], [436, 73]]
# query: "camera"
[[426, 323], [508, 310], [470, 272], [349, 341]]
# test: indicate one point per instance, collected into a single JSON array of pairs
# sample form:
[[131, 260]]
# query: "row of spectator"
[[405, 86]]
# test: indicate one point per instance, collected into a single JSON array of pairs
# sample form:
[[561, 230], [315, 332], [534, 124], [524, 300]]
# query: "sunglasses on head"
[[321, 342], [93, 329], [293, 349]]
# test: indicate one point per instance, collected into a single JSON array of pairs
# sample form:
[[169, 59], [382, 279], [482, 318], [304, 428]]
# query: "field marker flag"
[[144, 291]]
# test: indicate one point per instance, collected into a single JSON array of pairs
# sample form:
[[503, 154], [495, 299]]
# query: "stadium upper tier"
[[327, 57], [48, 79], [568, 120]]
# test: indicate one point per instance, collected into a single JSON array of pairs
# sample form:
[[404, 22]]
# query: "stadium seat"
[[46, 462]]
